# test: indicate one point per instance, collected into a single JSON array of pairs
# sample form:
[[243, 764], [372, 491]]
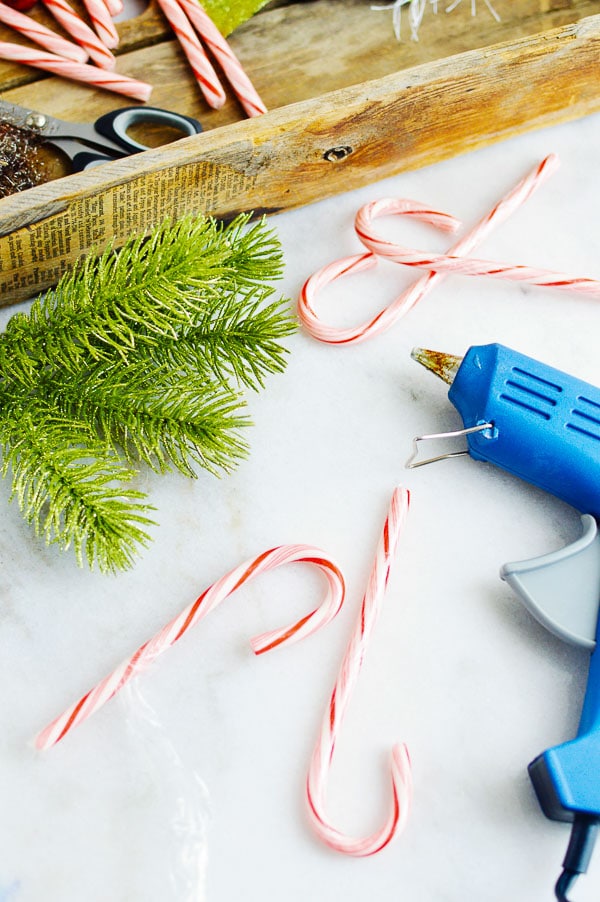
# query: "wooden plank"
[[292, 53], [304, 50], [283, 159]]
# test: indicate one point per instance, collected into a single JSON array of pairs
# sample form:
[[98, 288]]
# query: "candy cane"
[[100, 78], [205, 75], [419, 289], [357, 263], [101, 20], [41, 35], [321, 760], [74, 25], [459, 265], [115, 7], [178, 627], [243, 88]]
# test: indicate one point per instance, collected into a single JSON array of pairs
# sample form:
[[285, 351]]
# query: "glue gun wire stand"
[[543, 426]]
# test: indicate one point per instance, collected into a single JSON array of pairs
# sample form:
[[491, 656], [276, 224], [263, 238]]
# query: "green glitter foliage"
[[228, 14], [137, 357]]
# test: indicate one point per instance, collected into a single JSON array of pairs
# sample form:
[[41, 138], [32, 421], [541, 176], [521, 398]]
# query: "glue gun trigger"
[[562, 589]]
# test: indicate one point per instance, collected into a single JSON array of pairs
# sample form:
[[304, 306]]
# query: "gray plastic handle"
[[562, 589]]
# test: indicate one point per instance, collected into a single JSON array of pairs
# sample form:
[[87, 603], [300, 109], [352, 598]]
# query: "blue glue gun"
[[543, 426]]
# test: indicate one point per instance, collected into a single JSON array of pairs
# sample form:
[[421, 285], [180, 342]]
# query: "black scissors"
[[88, 144]]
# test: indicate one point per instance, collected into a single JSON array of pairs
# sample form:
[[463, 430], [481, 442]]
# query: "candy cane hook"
[[359, 262], [322, 756], [147, 653]]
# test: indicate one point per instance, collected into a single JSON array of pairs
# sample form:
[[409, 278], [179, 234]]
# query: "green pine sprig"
[[228, 14], [137, 357]]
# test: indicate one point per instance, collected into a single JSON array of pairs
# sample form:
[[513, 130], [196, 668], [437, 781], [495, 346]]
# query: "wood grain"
[[370, 117], [304, 50]]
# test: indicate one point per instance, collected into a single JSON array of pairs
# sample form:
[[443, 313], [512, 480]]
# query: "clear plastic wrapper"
[[127, 818]]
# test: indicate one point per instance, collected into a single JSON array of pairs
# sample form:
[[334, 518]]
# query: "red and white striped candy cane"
[[357, 263], [204, 73], [418, 290], [243, 88], [41, 35], [102, 21], [322, 756], [179, 626], [115, 7], [456, 263], [100, 78], [74, 25]]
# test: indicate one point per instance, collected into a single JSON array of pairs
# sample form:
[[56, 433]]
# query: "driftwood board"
[[349, 104]]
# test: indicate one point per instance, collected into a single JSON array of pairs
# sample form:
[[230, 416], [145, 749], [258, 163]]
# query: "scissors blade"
[[16, 115], [50, 128]]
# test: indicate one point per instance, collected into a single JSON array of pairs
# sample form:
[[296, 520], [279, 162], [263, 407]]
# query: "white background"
[[204, 798]]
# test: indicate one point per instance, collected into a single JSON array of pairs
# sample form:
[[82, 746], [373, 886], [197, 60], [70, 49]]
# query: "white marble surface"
[[203, 799]]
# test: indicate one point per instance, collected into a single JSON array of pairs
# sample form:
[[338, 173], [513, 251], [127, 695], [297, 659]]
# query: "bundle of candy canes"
[[88, 56], [321, 760]]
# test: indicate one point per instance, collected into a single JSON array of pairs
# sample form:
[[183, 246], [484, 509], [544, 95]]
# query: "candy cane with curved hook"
[[351, 664], [321, 760], [454, 262], [210, 598]]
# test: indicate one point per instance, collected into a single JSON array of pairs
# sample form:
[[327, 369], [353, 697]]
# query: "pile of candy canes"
[[88, 56]]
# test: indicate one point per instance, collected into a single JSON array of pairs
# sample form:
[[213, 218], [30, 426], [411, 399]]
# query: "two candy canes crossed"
[[438, 266]]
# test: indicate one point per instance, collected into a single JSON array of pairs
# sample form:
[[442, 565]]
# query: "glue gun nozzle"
[[443, 365]]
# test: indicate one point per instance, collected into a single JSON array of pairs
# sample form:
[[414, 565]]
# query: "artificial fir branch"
[[70, 489], [165, 421], [136, 356], [237, 340], [152, 289]]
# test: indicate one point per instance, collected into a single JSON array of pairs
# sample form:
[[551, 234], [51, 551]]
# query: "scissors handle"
[[115, 125]]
